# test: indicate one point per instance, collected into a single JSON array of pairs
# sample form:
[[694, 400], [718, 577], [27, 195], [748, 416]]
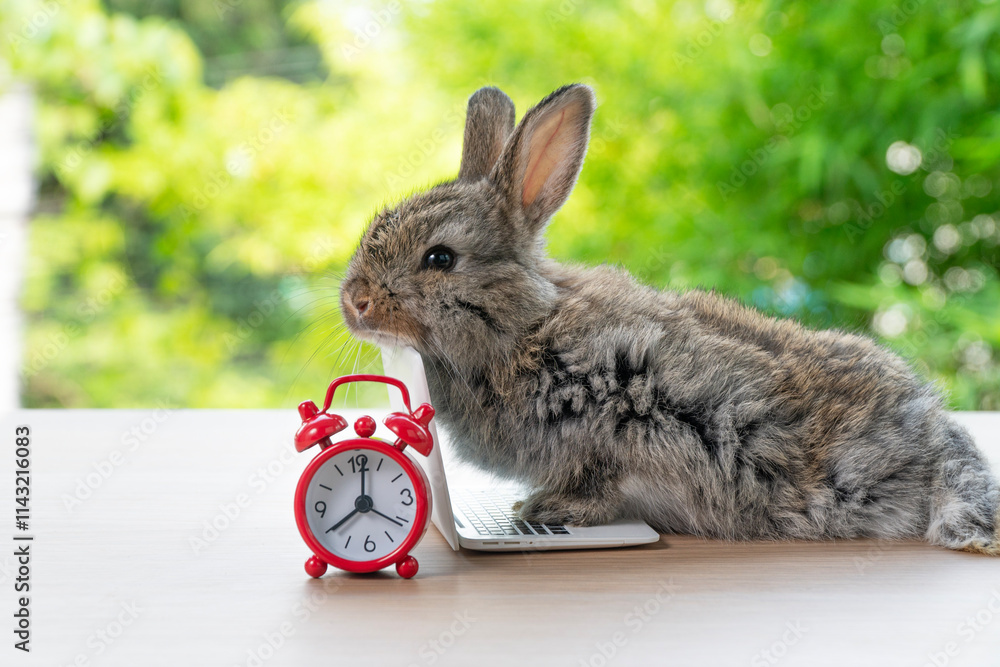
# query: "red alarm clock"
[[363, 504]]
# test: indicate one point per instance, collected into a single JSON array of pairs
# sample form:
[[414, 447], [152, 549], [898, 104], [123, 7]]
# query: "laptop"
[[474, 509]]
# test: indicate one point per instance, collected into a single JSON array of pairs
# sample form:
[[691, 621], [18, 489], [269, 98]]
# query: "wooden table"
[[128, 569]]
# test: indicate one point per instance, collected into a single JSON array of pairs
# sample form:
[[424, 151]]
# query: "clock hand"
[[364, 469], [385, 517], [341, 522]]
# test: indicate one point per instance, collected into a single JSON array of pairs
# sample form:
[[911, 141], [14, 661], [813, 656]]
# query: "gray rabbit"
[[611, 399]]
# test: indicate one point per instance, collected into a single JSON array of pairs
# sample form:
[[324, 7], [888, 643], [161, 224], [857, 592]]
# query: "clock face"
[[360, 504]]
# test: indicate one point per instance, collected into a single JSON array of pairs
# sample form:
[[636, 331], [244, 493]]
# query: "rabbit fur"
[[612, 399]]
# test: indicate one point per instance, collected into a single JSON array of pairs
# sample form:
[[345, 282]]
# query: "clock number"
[[409, 496], [358, 463], [321, 508], [368, 540]]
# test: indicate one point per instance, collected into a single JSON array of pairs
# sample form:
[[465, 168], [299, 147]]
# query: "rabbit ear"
[[542, 159], [488, 123]]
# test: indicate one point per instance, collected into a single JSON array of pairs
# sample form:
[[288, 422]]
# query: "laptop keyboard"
[[490, 514]]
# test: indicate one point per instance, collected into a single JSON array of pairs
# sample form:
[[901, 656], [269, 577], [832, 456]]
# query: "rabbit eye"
[[440, 258]]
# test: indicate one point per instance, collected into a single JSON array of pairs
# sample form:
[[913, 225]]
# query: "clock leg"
[[407, 567], [316, 568]]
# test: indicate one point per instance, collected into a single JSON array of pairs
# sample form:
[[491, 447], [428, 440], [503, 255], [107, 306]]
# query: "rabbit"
[[610, 399]]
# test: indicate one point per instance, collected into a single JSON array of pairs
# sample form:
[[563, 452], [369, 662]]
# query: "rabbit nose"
[[361, 305]]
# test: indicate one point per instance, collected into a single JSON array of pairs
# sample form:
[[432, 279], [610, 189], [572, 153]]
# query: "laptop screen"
[[405, 364]]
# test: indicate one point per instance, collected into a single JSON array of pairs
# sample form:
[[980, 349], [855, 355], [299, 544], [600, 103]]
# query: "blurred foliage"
[[238, 37], [836, 163]]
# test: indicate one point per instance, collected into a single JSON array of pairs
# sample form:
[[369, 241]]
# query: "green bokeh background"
[[206, 168]]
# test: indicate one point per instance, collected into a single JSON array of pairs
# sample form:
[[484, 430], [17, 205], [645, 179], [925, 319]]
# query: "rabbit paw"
[[557, 509], [976, 540]]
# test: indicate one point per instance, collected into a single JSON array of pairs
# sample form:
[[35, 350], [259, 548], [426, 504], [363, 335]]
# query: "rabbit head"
[[458, 271]]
